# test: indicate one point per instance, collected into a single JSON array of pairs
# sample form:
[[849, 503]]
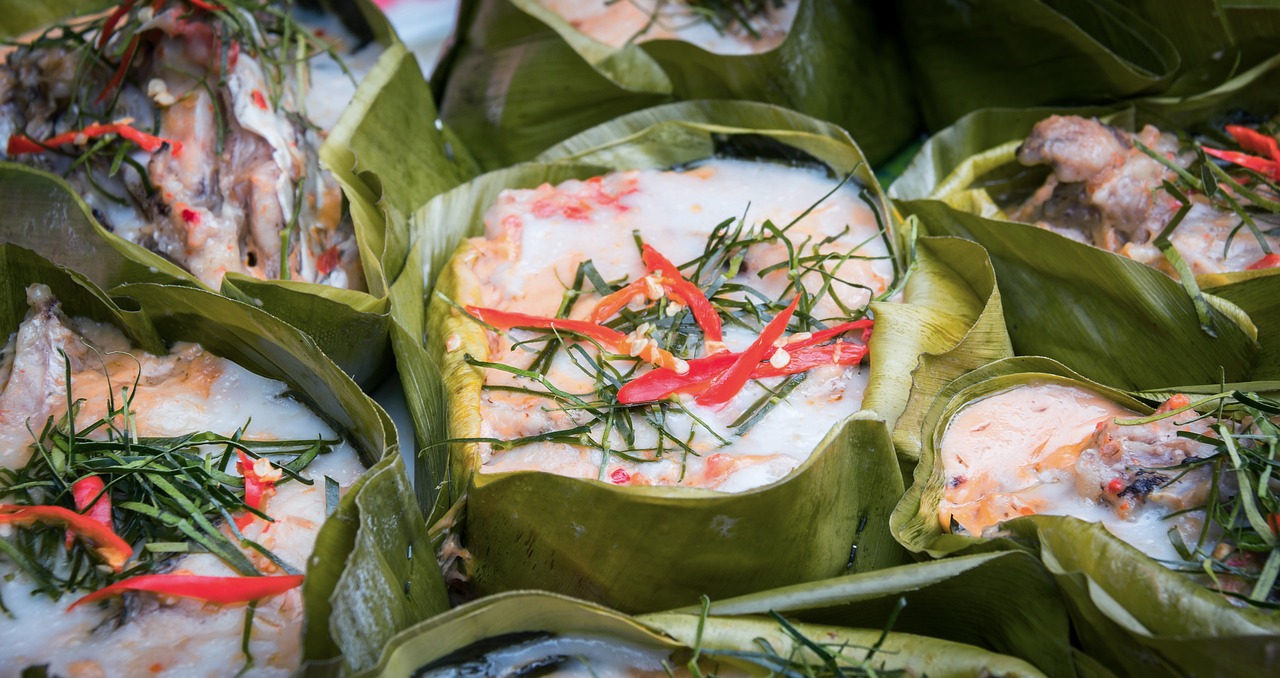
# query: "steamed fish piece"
[[186, 133], [710, 223], [733, 27], [184, 392], [1106, 191]]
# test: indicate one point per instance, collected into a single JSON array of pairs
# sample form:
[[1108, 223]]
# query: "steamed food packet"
[[335, 290], [1146, 592], [525, 629], [520, 77], [1076, 53], [967, 181], [362, 562], [530, 529]]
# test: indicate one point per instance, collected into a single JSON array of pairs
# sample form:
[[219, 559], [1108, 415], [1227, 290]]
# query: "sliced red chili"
[[20, 144], [611, 338], [105, 542], [725, 386], [809, 357], [220, 590], [118, 78], [1269, 261], [328, 260], [259, 485], [207, 6], [1255, 141], [611, 304], [661, 383], [688, 294], [109, 26], [91, 500], [1261, 165]]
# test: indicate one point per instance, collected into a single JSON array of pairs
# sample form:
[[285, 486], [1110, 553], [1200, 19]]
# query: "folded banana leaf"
[[1129, 612], [1076, 52], [519, 78], [1056, 289], [351, 326], [527, 530], [474, 637], [363, 564]]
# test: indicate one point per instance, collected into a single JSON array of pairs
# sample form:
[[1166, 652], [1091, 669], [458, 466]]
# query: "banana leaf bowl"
[[1056, 289], [1130, 612], [362, 582], [473, 636], [519, 78], [529, 529], [351, 325]]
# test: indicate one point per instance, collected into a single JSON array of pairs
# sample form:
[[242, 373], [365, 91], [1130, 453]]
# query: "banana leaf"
[[1129, 612], [23, 17], [967, 599], [518, 78], [351, 326], [788, 532], [745, 646], [359, 566], [1076, 52]]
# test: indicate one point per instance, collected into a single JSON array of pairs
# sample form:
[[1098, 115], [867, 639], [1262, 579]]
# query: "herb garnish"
[[168, 494]]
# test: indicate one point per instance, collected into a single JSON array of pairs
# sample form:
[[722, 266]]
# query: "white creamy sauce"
[[184, 392], [1019, 452], [635, 21], [538, 237]]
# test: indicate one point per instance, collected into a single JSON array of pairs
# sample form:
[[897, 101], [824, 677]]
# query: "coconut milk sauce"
[[633, 21]]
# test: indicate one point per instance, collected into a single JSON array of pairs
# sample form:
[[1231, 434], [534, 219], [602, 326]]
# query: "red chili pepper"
[[259, 100], [121, 70], [20, 145], [1115, 486], [809, 357], [688, 294], [1274, 521], [661, 383], [92, 501], [259, 485], [1261, 165], [109, 26], [612, 339], [207, 6], [328, 260], [220, 590], [725, 386], [114, 550], [620, 476], [611, 304], [1269, 261], [1255, 141]]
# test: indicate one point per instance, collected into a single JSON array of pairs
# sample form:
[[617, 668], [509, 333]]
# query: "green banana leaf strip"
[[912, 654], [965, 599], [1051, 52], [518, 539], [519, 78], [499, 621], [1129, 612], [1112, 319]]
